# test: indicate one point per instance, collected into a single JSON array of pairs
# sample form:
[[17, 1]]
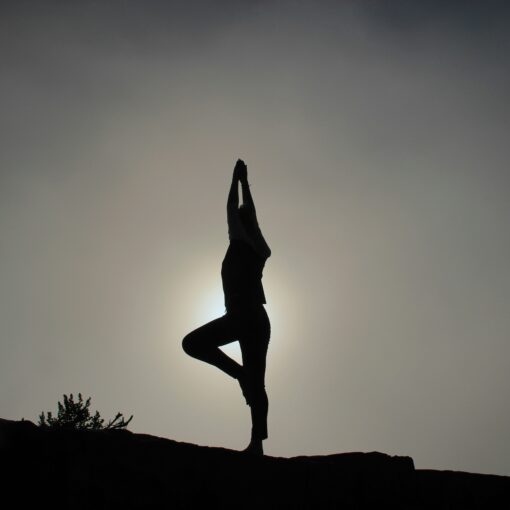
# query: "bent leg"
[[203, 344]]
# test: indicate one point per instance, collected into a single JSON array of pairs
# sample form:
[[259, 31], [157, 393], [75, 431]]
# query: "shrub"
[[76, 415]]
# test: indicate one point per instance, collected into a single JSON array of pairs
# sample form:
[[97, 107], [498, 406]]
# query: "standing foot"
[[255, 448]]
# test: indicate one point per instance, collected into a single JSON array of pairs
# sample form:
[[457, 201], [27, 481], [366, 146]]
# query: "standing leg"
[[203, 343], [254, 344]]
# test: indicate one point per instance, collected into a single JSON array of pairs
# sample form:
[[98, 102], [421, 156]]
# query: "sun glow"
[[205, 302]]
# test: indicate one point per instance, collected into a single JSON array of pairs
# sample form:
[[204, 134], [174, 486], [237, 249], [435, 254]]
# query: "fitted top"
[[241, 275]]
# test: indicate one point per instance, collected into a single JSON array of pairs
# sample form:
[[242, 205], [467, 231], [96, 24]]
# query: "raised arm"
[[235, 227], [248, 229], [254, 233], [247, 198], [233, 195]]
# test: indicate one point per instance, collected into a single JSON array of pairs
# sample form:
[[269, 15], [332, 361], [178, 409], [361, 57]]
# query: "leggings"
[[250, 326]]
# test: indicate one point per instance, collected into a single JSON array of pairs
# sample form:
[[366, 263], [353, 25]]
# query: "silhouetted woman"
[[245, 319]]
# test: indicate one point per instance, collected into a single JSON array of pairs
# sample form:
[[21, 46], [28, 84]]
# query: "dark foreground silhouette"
[[245, 319], [106, 469]]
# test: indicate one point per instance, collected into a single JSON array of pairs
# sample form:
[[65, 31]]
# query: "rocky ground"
[[119, 469]]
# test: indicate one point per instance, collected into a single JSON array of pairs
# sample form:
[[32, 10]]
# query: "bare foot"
[[255, 448]]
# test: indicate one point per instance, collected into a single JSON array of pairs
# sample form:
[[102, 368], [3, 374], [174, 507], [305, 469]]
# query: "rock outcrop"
[[119, 469]]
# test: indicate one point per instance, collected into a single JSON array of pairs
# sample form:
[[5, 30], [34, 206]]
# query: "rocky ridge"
[[119, 469]]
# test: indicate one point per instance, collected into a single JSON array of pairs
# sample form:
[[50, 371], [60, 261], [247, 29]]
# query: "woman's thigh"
[[218, 332], [254, 341]]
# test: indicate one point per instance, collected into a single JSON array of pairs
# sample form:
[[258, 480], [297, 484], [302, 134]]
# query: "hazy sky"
[[376, 138]]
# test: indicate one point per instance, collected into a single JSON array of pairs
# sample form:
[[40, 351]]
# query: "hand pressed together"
[[241, 171]]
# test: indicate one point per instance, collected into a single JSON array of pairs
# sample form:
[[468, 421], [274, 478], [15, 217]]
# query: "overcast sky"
[[376, 138]]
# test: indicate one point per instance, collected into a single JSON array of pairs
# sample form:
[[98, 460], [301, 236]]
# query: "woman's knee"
[[190, 344]]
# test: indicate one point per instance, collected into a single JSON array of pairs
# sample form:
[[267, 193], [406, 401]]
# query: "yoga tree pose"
[[245, 319]]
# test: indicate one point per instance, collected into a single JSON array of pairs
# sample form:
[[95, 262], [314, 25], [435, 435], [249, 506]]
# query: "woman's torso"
[[241, 274]]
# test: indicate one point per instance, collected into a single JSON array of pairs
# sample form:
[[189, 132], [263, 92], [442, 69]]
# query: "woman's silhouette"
[[245, 319]]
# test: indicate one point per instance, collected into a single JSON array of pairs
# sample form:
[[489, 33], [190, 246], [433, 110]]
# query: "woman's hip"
[[250, 320]]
